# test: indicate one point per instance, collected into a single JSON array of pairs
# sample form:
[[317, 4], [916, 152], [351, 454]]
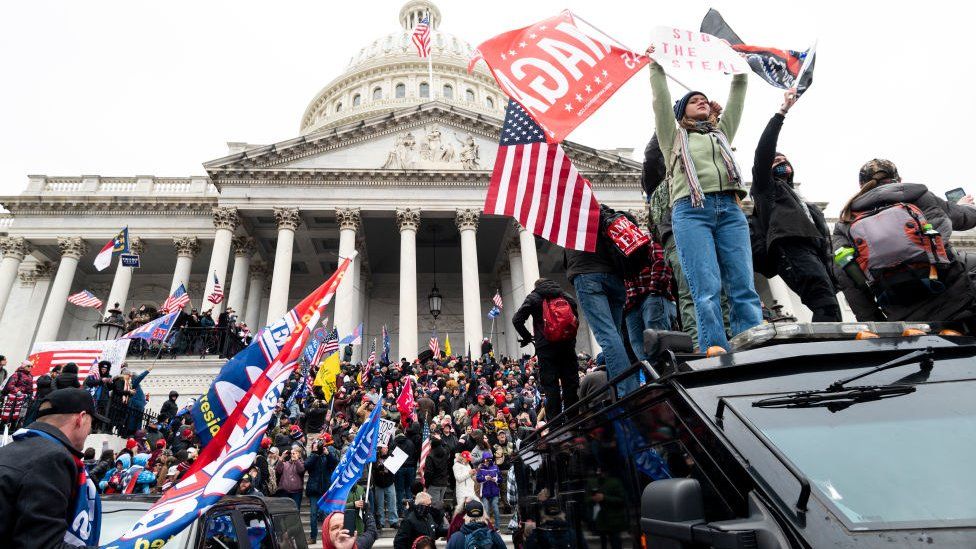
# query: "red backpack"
[[559, 323]]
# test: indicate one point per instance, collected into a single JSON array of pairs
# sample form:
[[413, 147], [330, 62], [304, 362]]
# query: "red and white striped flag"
[[421, 37], [435, 346], [424, 452], [537, 184], [497, 300], [85, 298], [217, 293], [175, 302], [368, 368]]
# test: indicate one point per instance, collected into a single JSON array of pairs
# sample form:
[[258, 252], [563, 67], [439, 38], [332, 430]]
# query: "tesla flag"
[[558, 72]]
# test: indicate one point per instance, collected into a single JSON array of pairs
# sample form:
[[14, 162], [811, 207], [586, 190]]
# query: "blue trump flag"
[[353, 463], [156, 330]]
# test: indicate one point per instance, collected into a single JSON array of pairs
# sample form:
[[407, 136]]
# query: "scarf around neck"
[[688, 164]]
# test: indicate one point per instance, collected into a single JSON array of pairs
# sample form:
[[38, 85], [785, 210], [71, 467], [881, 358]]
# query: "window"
[[448, 91], [424, 89], [490, 103], [221, 532], [356, 100], [469, 95], [377, 93], [339, 106], [259, 531], [400, 91]]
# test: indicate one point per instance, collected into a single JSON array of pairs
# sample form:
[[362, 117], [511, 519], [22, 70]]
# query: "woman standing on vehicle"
[[709, 226]]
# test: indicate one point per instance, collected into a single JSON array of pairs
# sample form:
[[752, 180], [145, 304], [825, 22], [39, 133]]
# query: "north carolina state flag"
[[560, 74]]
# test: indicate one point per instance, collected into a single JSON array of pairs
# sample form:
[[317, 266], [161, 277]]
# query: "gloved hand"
[[525, 341]]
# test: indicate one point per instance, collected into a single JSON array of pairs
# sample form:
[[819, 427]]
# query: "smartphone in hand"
[[955, 194], [349, 520]]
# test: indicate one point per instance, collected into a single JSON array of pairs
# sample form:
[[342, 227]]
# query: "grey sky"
[[122, 88]]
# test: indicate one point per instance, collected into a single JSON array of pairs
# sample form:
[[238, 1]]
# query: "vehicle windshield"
[[900, 460], [116, 522]]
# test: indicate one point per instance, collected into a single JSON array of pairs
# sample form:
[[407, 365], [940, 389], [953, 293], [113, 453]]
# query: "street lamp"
[[111, 327], [434, 298]]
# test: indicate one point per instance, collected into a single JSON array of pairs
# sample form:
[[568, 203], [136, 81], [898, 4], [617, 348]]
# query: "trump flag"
[[558, 72], [353, 462]]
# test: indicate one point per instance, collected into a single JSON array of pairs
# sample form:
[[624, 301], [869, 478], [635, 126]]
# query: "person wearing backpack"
[[792, 233], [557, 359], [553, 530], [476, 533], [706, 187], [930, 283]]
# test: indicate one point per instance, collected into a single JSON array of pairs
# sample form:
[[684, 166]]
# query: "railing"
[[19, 410], [201, 342]]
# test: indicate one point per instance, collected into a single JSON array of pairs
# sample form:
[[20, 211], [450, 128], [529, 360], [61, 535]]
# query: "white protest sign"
[[696, 51], [396, 460], [85, 354], [387, 428]]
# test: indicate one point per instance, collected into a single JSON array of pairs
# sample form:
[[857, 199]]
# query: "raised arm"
[[663, 110], [732, 113], [766, 149]]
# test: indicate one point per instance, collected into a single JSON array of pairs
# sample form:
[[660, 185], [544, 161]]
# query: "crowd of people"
[[193, 333]]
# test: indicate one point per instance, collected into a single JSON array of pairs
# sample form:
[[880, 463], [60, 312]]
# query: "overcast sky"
[[122, 88]]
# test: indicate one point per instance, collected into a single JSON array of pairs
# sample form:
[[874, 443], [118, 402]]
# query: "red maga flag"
[[405, 404], [560, 74]]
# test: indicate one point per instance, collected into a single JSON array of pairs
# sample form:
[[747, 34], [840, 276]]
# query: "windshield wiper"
[[835, 400], [924, 357]]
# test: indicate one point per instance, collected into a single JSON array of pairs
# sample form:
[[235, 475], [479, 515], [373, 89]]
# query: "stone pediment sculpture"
[[433, 151]]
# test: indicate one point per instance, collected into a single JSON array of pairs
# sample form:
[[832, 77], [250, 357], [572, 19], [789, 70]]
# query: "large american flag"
[[177, 301], [217, 293], [85, 298], [42, 362], [421, 37], [424, 451], [435, 346], [331, 343], [536, 183]]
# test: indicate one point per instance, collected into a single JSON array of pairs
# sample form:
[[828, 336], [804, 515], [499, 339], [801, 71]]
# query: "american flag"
[[369, 362], [177, 301], [536, 183], [217, 294], [424, 451], [42, 362], [497, 300], [85, 298], [331, 343], [421, 37], [435, 346]]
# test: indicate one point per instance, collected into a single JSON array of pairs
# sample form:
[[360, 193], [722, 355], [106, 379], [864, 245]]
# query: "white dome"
[[388, 74]]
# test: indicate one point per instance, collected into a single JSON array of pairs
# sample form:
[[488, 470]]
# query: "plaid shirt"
[[654, 278]]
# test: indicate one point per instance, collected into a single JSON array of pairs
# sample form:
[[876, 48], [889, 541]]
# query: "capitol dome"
[[387, 74]]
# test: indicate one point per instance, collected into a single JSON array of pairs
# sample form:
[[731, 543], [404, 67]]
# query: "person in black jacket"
[[319, 465], [437, 473], [169, 409], [39, 476], [557, 360], [384, 493], [68, 378], [797, 242], [422, 520], [407, 472]]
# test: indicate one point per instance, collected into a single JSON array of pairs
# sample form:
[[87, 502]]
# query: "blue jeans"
[[297, 498], [315, 517], [385, 497], [601, 297], [491, 510], [653, 313], [715, 252], [403, 480]]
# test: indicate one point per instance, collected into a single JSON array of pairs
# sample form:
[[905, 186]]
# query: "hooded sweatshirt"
[[532, 306], [457, 540], [489, 488]]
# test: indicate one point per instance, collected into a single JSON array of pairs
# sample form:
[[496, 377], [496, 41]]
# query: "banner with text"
[[696, 51]]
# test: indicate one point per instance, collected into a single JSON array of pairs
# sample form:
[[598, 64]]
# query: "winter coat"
[[407, 445], [291, 475], [320, 467], [168, 411], [420, 521], [45, 385], [37, 479], [578, 262], [315, 419], [457, 540], [778, 210], [438, 467], [703, 148], [68, 378], [612, 513], [126, 461], [20, 382], [489, 488], [147, 479], [532, 306], [463, 483], [959, 299], [382, 477]]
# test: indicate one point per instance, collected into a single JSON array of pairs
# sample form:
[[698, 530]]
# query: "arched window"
[[400, 91], [339, 106], [356, 100], [377, 93], [490, 103], [469, 95], [448, 91], [424, 89]]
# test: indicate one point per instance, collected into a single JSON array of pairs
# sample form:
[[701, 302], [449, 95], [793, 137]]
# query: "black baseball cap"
[[69, 401], [474, 508]]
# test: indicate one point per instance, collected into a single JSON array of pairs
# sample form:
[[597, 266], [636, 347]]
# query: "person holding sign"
[[709, 226]]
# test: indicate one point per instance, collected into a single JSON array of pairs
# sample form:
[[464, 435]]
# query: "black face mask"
[[780, 171]]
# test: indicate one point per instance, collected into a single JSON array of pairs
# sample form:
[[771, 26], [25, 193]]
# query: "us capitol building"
[[386, 162]]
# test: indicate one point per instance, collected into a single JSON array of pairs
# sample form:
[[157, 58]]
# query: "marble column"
[[37, 281], [123, 280], [71, 248], [520, 287], [467, 224], [408, 220], [14, 249], [288, 220], [349, 221], [243, 250], [225, 222], [187, 247], [259, 272], [530, 259], [508, 311]]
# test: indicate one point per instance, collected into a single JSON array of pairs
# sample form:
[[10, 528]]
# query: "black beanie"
[[681, 104]]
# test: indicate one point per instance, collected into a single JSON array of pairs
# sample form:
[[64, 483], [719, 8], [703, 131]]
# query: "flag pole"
[[430, 56], [632, 50]]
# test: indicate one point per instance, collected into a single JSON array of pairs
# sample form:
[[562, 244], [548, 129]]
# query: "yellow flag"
[[447, 344], [326, 378]]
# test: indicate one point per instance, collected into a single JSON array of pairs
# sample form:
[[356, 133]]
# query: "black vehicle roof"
[[275, 506]]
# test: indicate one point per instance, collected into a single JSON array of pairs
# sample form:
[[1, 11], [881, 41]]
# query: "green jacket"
[[704, 148]]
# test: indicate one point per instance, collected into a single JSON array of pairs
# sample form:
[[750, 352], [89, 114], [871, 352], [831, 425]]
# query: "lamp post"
[[434, 298]]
